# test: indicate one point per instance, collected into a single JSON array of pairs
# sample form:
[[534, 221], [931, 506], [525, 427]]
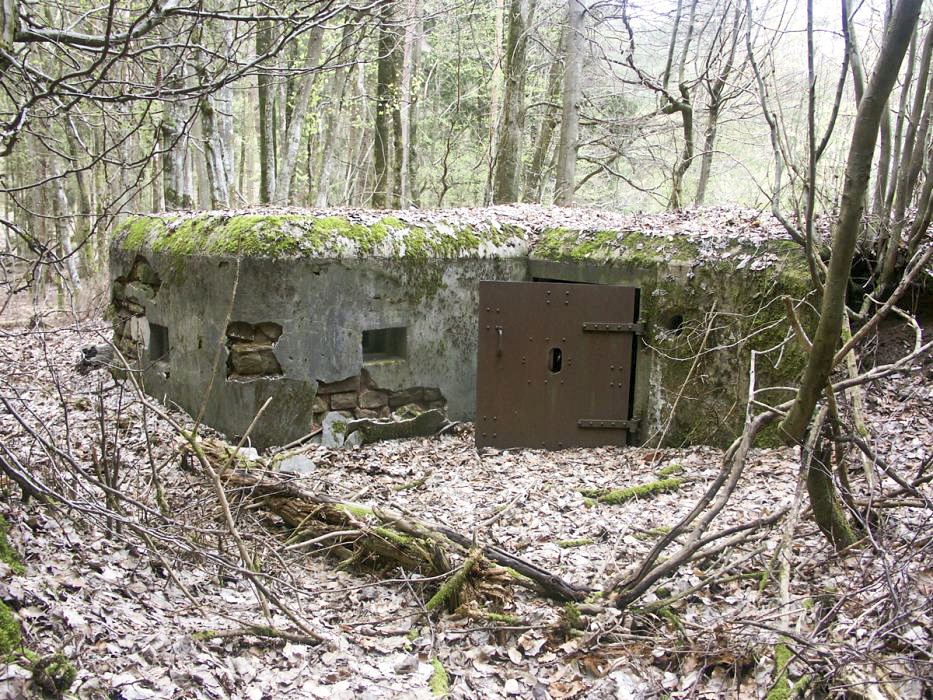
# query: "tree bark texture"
[[391, 538], [286, 171], [716, 100], [508, 151], [328, 140], [217, 182], [570, 112], [827, 509], [534, 175], [266, 93], [386, 78]]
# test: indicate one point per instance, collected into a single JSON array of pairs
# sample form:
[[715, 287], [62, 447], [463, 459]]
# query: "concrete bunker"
[[364, 313]]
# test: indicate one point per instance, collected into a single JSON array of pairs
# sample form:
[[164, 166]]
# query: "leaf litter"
[[141, 605]]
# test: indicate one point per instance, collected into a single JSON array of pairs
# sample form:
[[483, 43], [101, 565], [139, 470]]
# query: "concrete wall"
[[704, 316], [323, 307]]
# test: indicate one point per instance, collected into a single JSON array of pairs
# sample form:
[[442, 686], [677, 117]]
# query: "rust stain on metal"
[[547, 374]]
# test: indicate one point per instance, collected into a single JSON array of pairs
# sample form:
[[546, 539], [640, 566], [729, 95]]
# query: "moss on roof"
[[738, 238], [288, 234]]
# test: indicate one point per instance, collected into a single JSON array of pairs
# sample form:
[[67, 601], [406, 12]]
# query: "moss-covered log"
[[616, 496], [381, 537]]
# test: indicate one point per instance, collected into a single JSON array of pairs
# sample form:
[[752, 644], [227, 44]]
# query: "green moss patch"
[[618, 246], [617, 496], [11, 638], [670, 470], [283, 235], [7, 554], [439, 682]]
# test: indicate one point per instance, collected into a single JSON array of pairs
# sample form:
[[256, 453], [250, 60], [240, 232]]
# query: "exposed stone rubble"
[[358, 396], [131, 294], [250, 350]]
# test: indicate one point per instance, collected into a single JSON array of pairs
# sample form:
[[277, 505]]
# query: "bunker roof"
[[743, 237]]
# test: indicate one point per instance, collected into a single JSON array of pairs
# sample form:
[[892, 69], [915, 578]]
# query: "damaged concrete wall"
[[367, 314], [296, 327]]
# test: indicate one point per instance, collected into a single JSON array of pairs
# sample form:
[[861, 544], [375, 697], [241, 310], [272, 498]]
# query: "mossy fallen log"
[[385, 538], [617, 496], [451, 588], [439, 682]]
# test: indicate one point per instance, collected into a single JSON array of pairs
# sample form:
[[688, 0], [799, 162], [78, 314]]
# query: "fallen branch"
[[385, 537]]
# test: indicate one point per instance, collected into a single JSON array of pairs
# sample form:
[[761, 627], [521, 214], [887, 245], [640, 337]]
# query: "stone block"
[[319, 405], [344, 385], [374, 399], [297, 464], [238, 330], [431, 394], [334, 430], [251, 360], [343, 401], [268, 332], [405, 396], [366, 413]]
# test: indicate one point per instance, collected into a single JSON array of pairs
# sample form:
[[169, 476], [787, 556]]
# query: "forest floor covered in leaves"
[[144, 594]]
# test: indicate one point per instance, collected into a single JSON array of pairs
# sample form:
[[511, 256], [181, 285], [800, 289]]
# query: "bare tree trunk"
[[223, 107], [286, 172], [201, 182], [266, 92], [686, 155], [247, 162], [858, 170], [406, 102], [412, 150], [495, 90], [338, 86], [358, 185], [385, 84], [83, 216], [715, 106], [395, 186], [570, 113], [828, 512], [64, 229], [217, 183], [508, 151], [174, 139], [534, 175], [669, 64], [911, 163], [684, 107]]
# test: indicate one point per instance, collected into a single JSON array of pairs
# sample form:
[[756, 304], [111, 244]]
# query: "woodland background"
[[148, 106]]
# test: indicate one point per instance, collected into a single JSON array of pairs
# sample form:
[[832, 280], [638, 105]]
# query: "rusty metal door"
[[555, 364]]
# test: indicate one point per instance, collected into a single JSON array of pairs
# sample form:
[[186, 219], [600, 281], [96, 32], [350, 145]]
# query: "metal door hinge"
[[597, 327], [629, 425]]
